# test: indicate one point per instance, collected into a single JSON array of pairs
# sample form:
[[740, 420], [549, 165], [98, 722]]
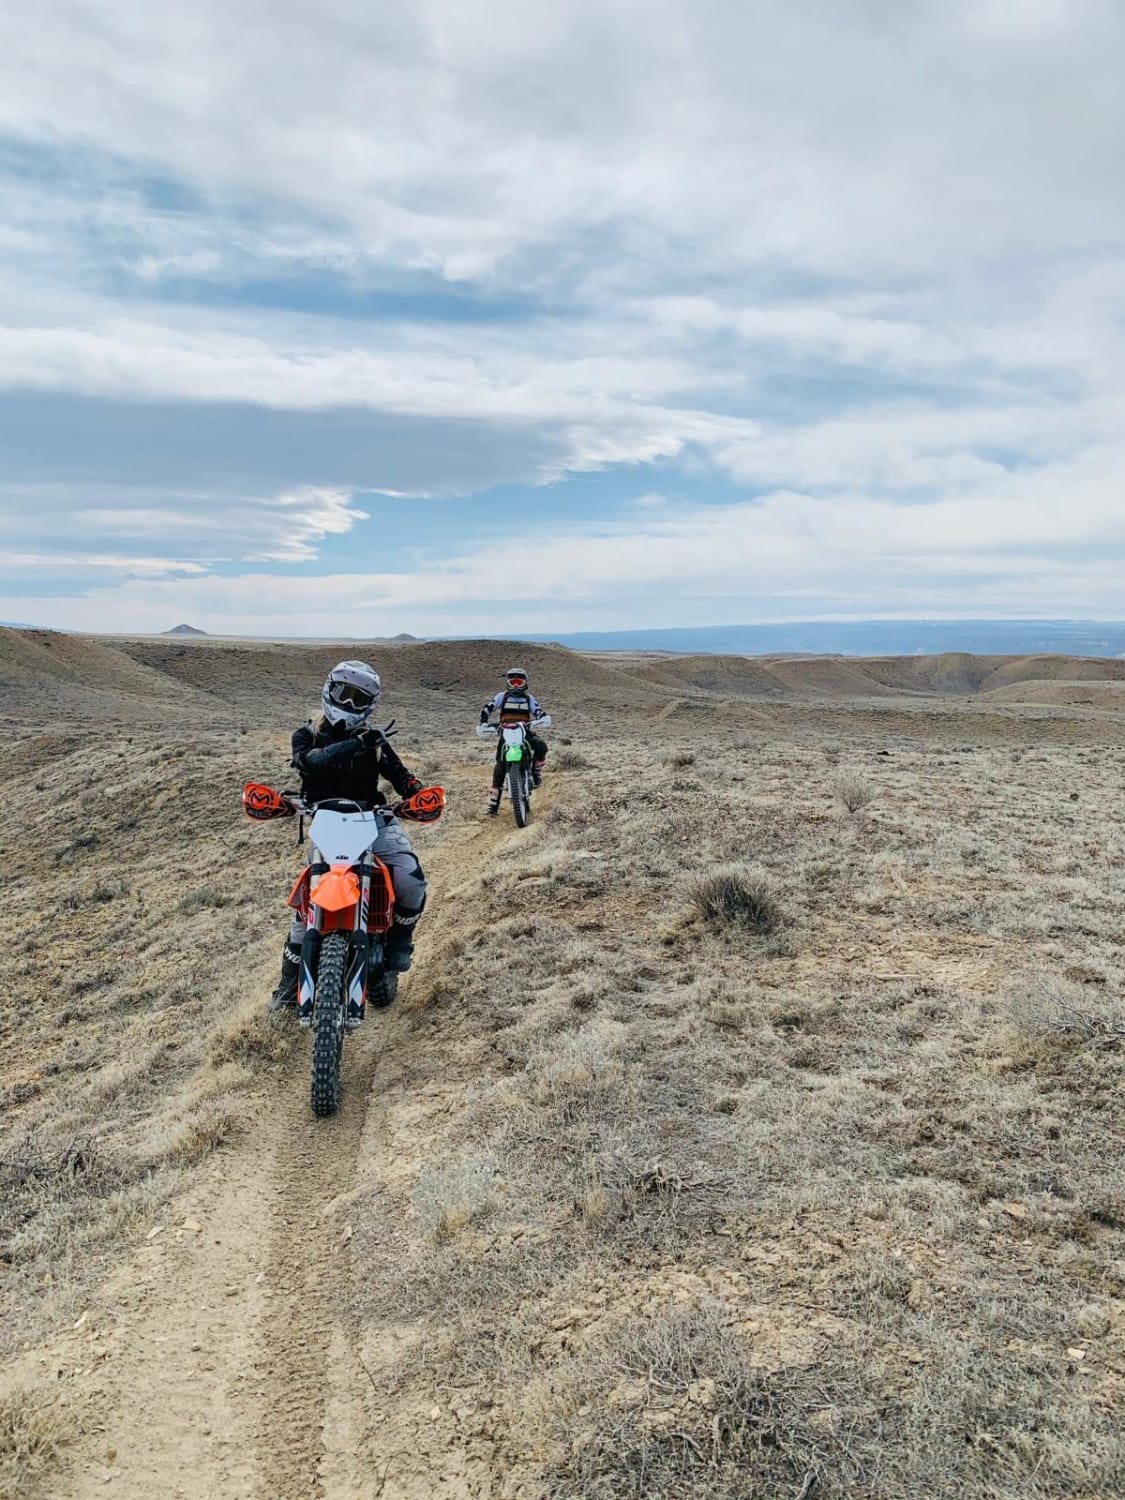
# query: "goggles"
[[347, 695]]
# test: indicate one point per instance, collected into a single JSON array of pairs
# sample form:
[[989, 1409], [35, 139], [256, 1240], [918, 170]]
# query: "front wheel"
[[328, 1024], [517, 791]]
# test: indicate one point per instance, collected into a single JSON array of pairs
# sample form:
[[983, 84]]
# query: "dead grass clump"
[[853, 791], [207, 898], [739, 898], [569, 760], [63, 1204], [671, 1405], [679, 760], [33, 1429], [77, 845], [445, 1199], [256, 1040], [79, 1165], [1048, 1007], [189, 1140], [576, 1067], [101, 893]]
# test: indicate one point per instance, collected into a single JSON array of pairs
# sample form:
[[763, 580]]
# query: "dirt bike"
[[517, 757], [346, 897]]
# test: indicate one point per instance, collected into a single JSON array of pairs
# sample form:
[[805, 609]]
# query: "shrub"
[[569, 760], [853, 792], [743, 898], [679, 760], [208, 898], [1047, 1007], [101, 893]]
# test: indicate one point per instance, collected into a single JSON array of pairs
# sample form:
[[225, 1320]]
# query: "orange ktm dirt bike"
[[346, 898], [516, 754]]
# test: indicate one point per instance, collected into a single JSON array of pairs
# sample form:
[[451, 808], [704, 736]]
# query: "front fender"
[[335, 891]]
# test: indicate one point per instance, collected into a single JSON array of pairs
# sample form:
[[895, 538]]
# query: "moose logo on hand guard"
[[262, 803]]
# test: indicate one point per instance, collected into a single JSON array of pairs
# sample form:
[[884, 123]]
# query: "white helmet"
[[350, 694]]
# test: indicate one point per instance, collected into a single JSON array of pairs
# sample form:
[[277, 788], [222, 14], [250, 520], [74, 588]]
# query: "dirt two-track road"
[[235, 1371], [747, 1128]]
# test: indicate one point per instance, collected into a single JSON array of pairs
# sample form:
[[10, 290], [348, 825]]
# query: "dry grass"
[[740, 898], [136, 1024], [806, 1184], [764, 1210], [34, 1429], [853, 791], [568, 760], [446, 1199], [672, 1404]]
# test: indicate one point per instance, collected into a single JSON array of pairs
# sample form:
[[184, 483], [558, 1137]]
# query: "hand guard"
[[261, 803], [423, 806]]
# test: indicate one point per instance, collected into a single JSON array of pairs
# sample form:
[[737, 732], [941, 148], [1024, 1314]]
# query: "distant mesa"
[[184, 630]]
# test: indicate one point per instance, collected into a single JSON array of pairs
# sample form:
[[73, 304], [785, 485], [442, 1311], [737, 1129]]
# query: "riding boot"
[[537, 773], [399, 950], [284, 996], [492, 807]]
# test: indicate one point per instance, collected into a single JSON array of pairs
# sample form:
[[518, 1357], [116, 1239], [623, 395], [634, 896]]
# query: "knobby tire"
[[518, 793], [328, 1025]]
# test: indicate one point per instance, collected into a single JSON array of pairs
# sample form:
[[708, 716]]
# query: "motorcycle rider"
[[515, 705], [341, 754]]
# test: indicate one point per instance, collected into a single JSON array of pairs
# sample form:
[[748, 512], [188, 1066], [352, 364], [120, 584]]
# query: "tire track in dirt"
[[306, 1265], [309, 1372]]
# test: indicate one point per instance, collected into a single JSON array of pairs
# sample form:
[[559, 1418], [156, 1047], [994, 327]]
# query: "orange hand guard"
[[262, 803], [424, 806]]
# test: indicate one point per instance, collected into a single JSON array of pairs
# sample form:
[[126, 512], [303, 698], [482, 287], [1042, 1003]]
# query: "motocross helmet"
[[351, 692], [516, 678]]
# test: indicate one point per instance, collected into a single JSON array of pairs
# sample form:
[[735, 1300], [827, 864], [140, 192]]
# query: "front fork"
[[360, 943], [310, 953]]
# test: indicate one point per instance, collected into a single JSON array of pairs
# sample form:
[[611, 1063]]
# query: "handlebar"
[[308, 809], [486, 729]]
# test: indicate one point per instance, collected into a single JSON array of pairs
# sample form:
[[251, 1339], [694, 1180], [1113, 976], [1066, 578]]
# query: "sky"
[[503, 316]]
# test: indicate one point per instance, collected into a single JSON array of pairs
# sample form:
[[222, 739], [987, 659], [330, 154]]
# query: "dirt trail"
[[227, 1369]]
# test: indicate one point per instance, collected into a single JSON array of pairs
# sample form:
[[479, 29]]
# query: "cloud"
[[837, 279], [457, 134], [65, 528], [785, 555]]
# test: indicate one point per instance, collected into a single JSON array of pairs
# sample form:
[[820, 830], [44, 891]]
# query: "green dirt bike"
[[515, 751]]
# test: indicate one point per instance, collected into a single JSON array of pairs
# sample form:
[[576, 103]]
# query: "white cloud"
[[202, 530], [864, 258], [455, 133], [1021, 547]]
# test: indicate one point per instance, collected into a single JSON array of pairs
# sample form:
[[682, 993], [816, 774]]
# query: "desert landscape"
[[749, 1126]]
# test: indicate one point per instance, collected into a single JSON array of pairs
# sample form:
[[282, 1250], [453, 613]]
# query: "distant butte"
[[184, 630]]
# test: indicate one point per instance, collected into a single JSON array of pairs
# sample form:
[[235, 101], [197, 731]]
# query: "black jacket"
[[333, 764]]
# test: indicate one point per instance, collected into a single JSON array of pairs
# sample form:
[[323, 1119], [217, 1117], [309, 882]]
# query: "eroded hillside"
[[803, 1180]]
